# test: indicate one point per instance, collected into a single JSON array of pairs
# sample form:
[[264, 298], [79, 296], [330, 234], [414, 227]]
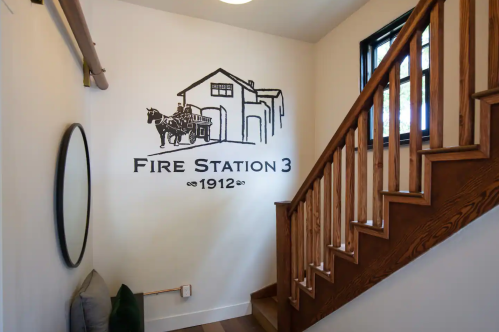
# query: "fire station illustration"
[[219, 108]]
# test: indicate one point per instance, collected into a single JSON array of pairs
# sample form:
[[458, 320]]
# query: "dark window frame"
[[216, 86], [368, 60]]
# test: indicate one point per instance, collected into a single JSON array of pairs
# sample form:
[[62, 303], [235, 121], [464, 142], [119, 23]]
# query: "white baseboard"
[[197, 318]]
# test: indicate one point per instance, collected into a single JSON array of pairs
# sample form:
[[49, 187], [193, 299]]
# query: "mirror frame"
[[61, 168]]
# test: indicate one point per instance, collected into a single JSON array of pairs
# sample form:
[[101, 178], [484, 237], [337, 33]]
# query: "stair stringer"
[[442, 210]]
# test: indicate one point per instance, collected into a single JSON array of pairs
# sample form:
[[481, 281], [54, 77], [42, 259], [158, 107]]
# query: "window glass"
[[426, 36], [405, 108], [423, 107], [386, 113], [373, 50], [404, 68], [381, 52], [426, 57]]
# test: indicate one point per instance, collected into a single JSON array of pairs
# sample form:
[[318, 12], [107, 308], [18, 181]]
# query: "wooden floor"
[[241, 324]]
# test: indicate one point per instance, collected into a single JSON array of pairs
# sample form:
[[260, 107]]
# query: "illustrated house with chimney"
[[239, 112]]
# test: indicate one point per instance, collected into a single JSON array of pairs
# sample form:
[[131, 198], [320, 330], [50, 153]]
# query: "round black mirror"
[[73, 194]]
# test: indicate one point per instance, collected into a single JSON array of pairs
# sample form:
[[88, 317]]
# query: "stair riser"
[[262, 320]]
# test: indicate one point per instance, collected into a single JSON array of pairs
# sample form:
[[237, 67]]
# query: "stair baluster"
[[317, 222], [416, 140], [378, 157], [328, 192], [493, 44], [394, 139], [310, 237], [337, 198], [467, 73], [294, 255], [350, 190], [437, 76], [301, 240], [362, 170]]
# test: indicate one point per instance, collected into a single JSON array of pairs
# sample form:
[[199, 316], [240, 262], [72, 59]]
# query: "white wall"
[[451, 288], [42, 94], [152, 231]]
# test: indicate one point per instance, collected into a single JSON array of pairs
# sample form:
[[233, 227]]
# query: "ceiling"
[[306, 20]]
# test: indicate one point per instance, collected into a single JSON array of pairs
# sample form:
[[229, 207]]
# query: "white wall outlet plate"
[[186, 291]]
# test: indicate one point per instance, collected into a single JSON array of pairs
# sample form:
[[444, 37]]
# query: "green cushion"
[[125, 316]]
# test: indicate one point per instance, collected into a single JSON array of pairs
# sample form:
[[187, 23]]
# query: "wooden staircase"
[[449, 187]]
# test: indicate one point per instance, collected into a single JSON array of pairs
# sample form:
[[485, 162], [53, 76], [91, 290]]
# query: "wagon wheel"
[[192, 137]]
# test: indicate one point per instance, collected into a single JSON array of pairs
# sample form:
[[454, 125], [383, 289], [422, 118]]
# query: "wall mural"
[[220, 108]]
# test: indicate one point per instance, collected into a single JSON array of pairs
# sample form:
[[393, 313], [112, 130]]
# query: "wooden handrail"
[[400, 48]]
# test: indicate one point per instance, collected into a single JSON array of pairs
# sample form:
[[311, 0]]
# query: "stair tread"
[[342, 250], [403, 193], [320, 269], [369, 224], [451, 149], [268, 308], [303, 284]]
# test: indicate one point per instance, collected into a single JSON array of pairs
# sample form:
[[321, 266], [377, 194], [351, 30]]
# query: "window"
[[222, 90], [372, 51]]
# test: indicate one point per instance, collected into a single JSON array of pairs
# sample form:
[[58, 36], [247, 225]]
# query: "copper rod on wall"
[[163, 291], [74, 14]]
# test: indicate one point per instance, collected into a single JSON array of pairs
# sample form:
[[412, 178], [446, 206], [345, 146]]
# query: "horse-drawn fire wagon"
[[182, 123], [193, 125]]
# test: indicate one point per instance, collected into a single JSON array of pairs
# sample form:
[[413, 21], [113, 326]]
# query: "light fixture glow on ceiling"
[[236, 2]]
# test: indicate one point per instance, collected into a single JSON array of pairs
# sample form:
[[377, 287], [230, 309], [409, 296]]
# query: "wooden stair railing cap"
[[486, 93], [463, 148], [418, 20]]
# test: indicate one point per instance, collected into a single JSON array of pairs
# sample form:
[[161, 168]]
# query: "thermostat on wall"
[[186, 291]]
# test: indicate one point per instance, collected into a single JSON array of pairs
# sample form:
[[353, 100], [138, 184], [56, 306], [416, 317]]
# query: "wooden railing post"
[[493, 44], [394, 140], [328, 209], [310, 236], [337, 198], [467, 73], [283, 241], [362, 176], [294, 255], [378, 157], [416, 140], [437, 75], [349, 189], [317, 222], [301, 238]]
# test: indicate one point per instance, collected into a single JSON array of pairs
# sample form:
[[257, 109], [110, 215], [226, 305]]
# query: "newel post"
[[283, 241]]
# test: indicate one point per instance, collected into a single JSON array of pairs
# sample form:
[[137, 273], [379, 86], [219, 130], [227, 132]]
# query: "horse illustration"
[[165, 124], [183, 122]]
